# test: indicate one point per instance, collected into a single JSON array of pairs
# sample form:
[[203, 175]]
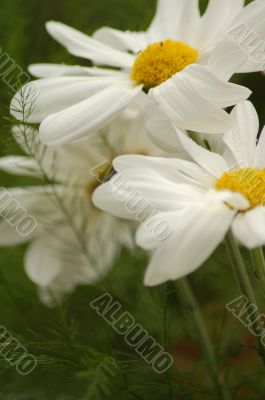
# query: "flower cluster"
[[141, 146]]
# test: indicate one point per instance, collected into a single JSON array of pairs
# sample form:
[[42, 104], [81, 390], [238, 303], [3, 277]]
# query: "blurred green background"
[[72, 344]]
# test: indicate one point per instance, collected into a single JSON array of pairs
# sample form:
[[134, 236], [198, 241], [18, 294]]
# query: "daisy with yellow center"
[[182, 64], [160, 61], [203, 199]]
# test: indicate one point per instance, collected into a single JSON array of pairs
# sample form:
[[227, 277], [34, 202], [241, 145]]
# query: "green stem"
[[190, 304], [245, 286], [259, 266]]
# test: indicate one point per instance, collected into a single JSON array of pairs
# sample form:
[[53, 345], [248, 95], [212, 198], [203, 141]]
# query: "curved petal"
[[58, 93], [134, 41], [88, 116], [211, 162], [194, 99], [242, 138], [198, 231], [81, 45], [249, 229], [222, 94], [151, 187], [187, 107], [171, 169]]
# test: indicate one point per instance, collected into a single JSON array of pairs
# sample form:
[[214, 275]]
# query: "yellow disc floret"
[[160, 61], [248, 181]]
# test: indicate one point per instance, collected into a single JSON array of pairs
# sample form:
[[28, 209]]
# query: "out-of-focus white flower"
[[184, 61], [202, 199], [74, 243]]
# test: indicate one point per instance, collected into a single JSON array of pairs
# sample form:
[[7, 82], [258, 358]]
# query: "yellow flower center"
[[248, 181], [160, 61]]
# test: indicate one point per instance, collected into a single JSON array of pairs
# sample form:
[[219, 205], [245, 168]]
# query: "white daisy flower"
[[202, 199], [184, 61], [74, 243]]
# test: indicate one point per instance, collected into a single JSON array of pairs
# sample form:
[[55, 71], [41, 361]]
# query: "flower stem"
[[191, 305], [259, 266], [245, 286]]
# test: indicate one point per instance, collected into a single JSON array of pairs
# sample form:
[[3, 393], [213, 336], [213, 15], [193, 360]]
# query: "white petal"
[[222, 94], [226, 59], [9, 236], [199, 230], [134, 41], [19, 203], [171, 169], [242, 138], [82, 45], [53, 70], [88, 116], [175, 19], [163, 134], [104, 198], [243, 45], [42, 265], [260, 151], [216, 19], [184, 100], [211, 162], [20, 166], [249, 228], [145, 185], [59, 93]]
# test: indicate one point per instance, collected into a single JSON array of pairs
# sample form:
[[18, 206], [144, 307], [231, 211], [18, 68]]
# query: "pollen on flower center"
[[160, 61], [248, 181]]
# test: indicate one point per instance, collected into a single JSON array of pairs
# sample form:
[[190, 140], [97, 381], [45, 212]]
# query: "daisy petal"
[[222, 94], [134, 41], [174, 19], [57, 94], [198, 232], [241, 139], [42, 265], [20, 166], [248, 227], [53, 70], [212, 162], [216, 19], [88, 116], [82, 45], [243, 42], [186, 107], [162, 132], [175, 170]]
